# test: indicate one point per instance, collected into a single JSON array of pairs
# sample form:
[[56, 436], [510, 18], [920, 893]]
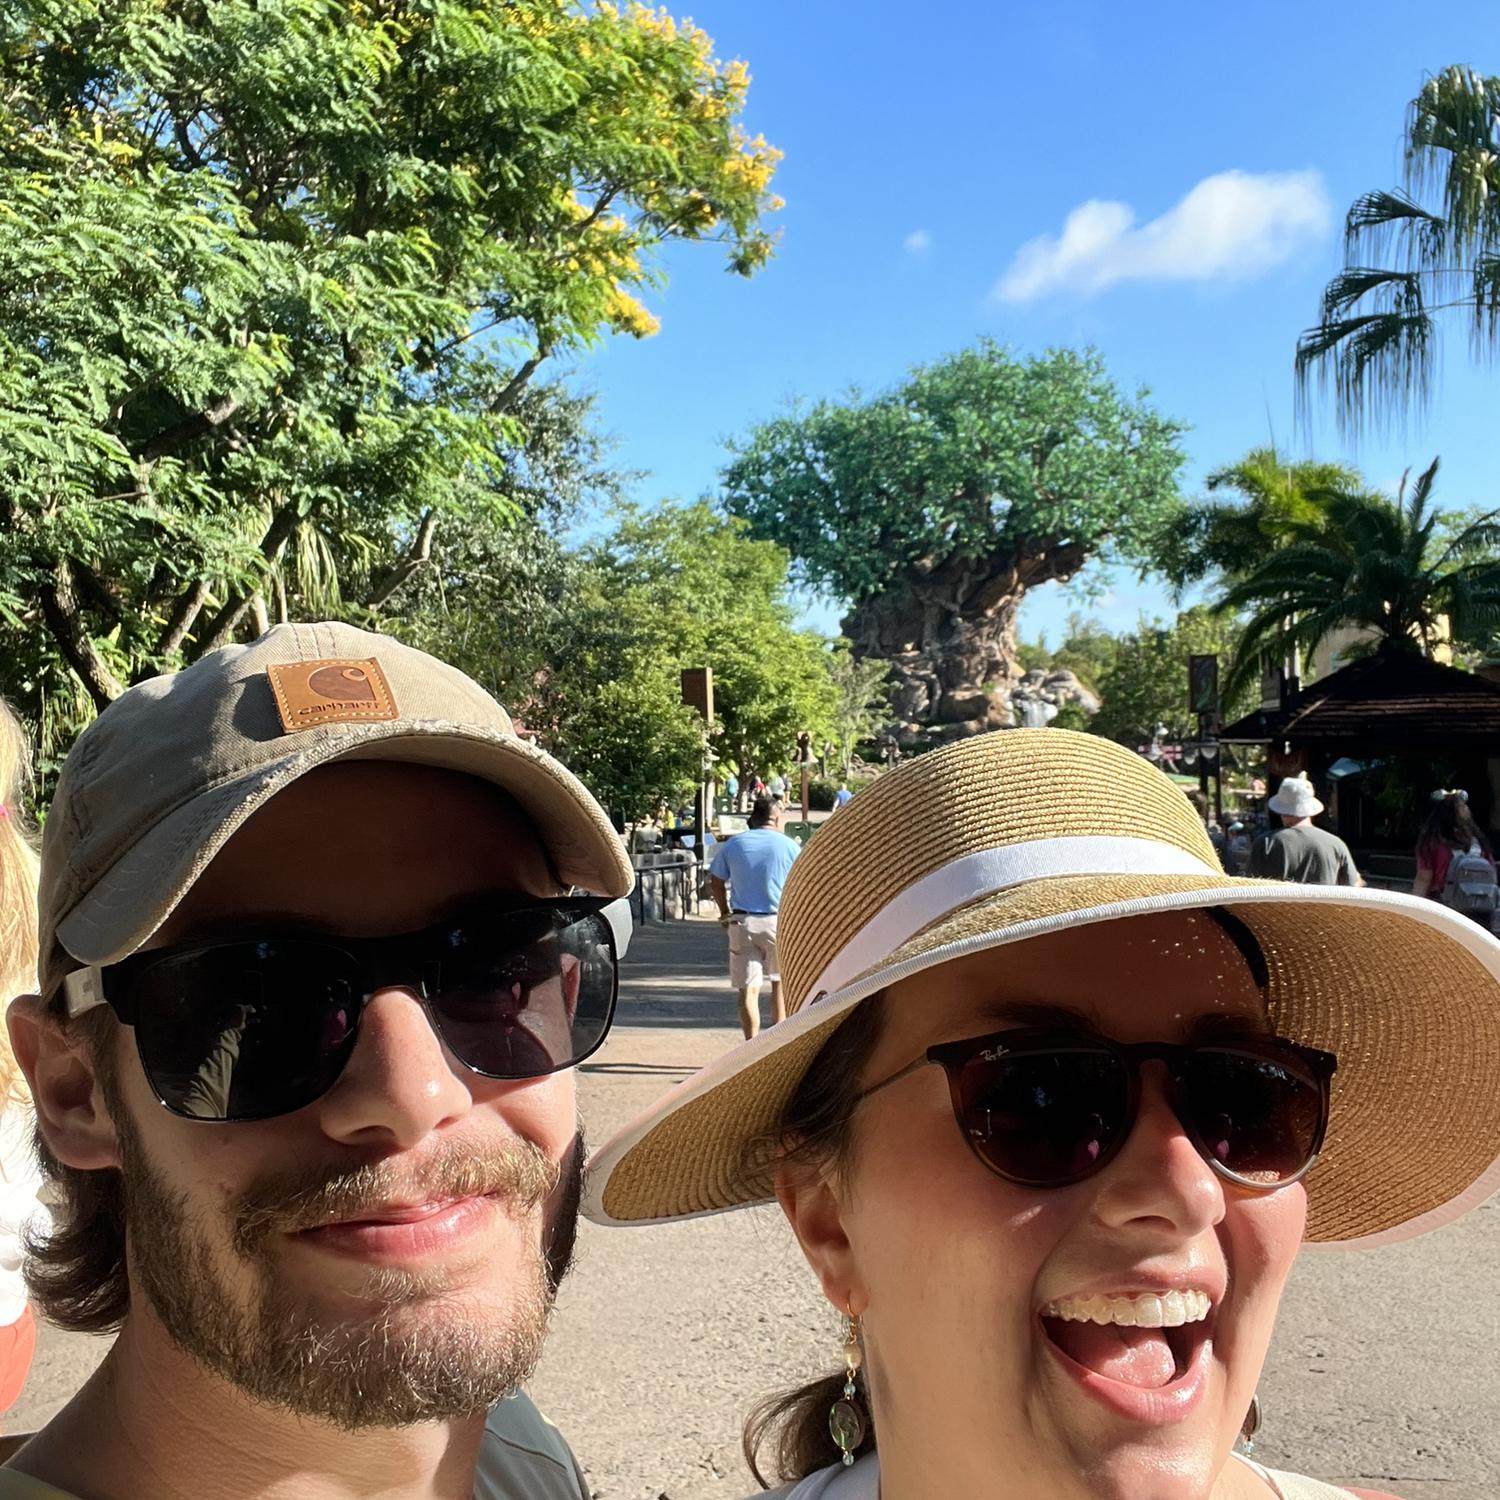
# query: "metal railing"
[[666, 887]]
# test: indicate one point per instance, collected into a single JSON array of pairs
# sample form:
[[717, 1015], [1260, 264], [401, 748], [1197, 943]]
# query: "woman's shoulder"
[[860, 1481], [1300, 1487]]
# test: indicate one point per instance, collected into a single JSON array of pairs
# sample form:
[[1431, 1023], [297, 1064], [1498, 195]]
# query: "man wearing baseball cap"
[[321, 942]]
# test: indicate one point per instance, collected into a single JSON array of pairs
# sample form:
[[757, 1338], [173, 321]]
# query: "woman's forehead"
[[1149, 978]]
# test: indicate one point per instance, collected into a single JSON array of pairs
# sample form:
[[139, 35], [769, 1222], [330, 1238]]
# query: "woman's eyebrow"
[[1222, 1028], [1040, 1013]]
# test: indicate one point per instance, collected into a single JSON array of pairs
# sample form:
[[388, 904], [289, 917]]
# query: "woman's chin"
[[1132, 1445], [1158, 1466]]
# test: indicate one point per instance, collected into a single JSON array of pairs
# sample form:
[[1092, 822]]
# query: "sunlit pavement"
[[1383, 1372]]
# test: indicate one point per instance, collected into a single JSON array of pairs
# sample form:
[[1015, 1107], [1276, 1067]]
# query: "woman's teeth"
[[1170, 1310]]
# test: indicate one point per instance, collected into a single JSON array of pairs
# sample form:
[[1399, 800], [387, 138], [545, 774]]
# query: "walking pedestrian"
[[1455, 863], [842, 796], [311, 992], [746, 878], [1050, 1119], [1299, 850], [1237, 851], [20, 1175]]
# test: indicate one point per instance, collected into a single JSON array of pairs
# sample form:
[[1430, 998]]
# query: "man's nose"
[[400, 1083]]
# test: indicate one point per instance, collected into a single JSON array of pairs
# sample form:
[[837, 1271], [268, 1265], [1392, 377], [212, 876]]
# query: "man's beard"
[[386, 1369]]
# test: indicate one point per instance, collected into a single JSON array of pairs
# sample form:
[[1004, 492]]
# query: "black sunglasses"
[[251, 1029], [1049, 1108]]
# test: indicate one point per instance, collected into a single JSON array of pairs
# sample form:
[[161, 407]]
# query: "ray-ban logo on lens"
[[335, 691]]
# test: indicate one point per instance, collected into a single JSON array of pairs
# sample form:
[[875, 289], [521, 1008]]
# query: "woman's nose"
[[1160, 1176]]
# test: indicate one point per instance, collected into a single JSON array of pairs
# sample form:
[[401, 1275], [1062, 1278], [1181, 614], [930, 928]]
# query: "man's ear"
[[65, 1086], [810, 1199]]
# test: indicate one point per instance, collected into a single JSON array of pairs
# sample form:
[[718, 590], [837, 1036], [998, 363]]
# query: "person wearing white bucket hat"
[[1054, 1107], [1299, 850]]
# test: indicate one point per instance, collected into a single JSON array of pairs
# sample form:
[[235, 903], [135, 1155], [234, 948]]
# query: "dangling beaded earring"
[[846, 1421], [1250, 1427]]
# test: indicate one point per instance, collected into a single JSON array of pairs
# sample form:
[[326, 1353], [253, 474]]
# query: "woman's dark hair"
[[1451, 823], [816, 1128]]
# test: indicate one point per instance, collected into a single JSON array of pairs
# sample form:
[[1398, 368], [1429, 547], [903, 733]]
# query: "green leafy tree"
[[1146, 684], [1415, 255], [587, 645], [931, 508], [1088, 651], [1392, 566], [861, 701], [715, 596], [274, 279]]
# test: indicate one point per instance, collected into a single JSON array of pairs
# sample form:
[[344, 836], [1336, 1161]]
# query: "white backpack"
[[1471, 886]]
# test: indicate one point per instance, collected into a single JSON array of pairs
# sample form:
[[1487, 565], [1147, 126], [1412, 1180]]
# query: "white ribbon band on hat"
[[988, 872]]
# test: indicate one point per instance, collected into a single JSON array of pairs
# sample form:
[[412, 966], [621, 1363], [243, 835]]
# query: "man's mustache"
[[521, 1175]]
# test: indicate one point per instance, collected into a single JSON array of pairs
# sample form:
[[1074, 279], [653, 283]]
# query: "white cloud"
[[1231, 226], [918, 242]]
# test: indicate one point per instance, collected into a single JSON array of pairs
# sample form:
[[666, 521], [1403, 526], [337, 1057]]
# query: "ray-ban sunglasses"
[[1045, 1108], [261, 1026]]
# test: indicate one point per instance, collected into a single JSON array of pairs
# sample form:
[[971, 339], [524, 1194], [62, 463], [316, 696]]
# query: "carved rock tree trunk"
[[949, 633]]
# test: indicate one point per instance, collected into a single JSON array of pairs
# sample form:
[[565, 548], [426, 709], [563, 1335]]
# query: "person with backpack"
[[1455, 864]]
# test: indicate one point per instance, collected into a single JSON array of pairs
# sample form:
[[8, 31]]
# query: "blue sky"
[[1199, 158]]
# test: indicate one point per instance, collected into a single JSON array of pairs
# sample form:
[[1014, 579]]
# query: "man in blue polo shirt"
[[746, 877]]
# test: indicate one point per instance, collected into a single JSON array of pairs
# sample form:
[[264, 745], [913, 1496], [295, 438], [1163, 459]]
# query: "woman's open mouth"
[[1145, 1357]]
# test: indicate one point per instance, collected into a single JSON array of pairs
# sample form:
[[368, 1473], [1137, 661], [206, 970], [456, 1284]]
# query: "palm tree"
[[1391, 565], [1276, 496], [1376, 335]]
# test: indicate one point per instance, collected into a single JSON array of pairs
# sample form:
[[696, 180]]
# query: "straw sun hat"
[[1010, 835]]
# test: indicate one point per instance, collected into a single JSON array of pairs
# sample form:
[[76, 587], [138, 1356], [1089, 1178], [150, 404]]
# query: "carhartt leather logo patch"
[[337, 691]]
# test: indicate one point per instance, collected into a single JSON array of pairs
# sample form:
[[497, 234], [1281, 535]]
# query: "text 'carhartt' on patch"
[[332, 691]]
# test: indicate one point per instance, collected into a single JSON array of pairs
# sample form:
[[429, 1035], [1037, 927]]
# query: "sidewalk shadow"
[[709, 1009], [677, 975]]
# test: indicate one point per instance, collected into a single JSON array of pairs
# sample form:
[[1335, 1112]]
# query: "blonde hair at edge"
[[18, 880]]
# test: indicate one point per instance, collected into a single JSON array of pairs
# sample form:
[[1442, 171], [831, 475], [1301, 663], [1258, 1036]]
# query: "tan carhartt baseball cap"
[[156, 785]]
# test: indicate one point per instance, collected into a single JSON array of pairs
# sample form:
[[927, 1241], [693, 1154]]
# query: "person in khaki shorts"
[[315, 970], [746, 877]]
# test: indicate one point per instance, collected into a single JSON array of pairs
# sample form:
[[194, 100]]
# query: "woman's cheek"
[[1264, 1235]]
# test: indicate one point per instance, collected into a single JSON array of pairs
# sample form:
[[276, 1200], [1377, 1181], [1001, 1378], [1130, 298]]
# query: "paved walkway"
[[1384, 1371]]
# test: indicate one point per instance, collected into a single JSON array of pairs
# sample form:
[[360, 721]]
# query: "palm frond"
[[1452, 140], [1263, 643], [1378, 360], [1402, 291], [1387, 219], [1421, 493], [1480, 537], [1484, 336]]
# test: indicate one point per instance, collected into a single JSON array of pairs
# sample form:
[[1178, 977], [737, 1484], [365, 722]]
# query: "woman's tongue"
[[1134, 1356]]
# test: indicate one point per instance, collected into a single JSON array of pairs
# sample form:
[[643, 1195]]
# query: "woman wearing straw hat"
[[1056, 1104]]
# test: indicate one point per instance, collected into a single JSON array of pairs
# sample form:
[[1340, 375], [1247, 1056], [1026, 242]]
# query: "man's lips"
[[394, 1213], [400, 1233]]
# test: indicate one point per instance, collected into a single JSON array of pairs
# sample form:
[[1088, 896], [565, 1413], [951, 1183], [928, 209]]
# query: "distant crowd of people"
[[1455, 860]]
